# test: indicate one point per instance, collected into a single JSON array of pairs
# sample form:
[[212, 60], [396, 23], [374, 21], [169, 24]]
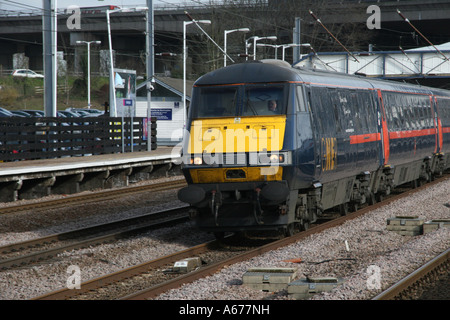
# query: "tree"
[[267, 18]]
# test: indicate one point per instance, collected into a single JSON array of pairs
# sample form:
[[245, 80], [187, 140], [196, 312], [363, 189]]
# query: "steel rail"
[[209, 270], [102, 281], [134, 225], [102, 195], [403, 284], [72, 234]]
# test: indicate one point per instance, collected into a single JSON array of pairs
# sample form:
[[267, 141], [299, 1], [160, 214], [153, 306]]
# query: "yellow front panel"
[[216, 175], [246, 134]]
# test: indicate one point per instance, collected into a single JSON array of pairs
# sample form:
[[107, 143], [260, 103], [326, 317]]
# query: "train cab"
[[238, 156]]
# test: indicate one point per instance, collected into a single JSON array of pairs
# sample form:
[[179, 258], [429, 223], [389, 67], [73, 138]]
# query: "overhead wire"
[[199, 3], [18, 4]]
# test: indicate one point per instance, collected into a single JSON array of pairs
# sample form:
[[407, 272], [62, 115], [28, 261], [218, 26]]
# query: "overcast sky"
[[26, 5]]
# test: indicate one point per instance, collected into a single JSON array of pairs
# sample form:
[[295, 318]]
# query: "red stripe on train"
[[372, 137]]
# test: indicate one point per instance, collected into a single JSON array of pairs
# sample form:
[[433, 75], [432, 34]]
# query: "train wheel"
[[379, 197], [304, 225], [372, 199], [290, 230], [219, 235], [343, 209]]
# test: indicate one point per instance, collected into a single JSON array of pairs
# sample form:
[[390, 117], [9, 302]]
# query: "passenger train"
[[333, 141]]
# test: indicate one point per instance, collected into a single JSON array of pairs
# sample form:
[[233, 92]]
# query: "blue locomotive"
[[271, 146]]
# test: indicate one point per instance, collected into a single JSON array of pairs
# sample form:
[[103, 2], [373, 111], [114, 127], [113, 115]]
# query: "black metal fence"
[[48, 137]]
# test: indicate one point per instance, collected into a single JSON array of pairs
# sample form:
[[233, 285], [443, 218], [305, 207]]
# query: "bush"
[[8, 96], [79, 88], [26, 85]]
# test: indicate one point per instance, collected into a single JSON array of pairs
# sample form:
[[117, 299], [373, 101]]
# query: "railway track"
[[44, 248], [403, 288], [144, 271], [85, 237], [150, 269], [103, 195]]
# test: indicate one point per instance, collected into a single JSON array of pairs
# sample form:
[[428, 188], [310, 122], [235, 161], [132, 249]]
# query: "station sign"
[[125, 87]]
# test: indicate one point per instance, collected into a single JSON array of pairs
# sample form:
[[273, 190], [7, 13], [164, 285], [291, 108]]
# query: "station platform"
[[32, 179]]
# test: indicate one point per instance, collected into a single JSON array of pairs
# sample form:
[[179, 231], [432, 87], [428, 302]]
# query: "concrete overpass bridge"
[[23, 33]]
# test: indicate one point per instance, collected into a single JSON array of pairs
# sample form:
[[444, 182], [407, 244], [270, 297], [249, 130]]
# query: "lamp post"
[[88, 43], [112, 87], [291, 45], [275, 46], [283, 47], [150, 66], [247, 45], [256, 38], [225, 42], [185, 24]]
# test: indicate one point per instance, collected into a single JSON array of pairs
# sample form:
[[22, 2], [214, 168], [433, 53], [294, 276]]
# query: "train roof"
[[280, 71], [250, 72]]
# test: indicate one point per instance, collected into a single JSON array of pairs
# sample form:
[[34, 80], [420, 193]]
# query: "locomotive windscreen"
[[263, 101], [215, 102], [237, 101]]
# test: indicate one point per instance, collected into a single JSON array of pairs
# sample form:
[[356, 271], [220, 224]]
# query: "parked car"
[[26, 73], [35, 113], [19, 113], [69, 114], [5, 113], [86, 112]]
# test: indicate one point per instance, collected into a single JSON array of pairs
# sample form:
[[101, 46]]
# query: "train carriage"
[[270, 146], [442, 125]]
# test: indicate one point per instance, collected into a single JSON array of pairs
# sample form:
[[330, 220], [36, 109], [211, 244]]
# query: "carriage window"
[[336, 118], [300, 101]]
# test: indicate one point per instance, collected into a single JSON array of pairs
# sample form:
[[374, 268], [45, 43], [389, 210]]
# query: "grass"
[[27, 93]]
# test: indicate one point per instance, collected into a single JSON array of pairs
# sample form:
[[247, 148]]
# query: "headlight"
[[274, 158], [197, 160]]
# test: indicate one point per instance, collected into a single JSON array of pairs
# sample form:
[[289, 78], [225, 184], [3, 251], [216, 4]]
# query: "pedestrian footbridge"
[[426, 62]]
